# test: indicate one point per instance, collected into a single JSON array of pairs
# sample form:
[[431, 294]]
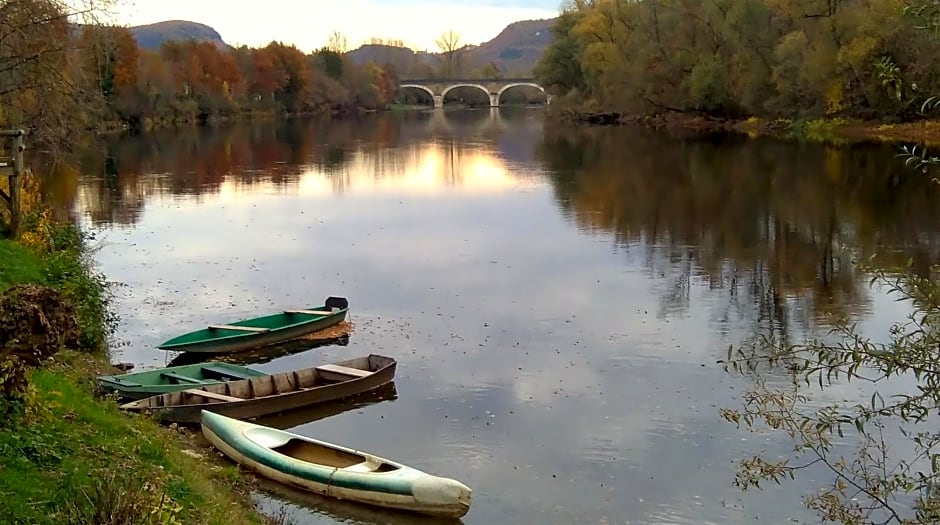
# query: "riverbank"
[[834, 130], [73, 457], [194, 118]]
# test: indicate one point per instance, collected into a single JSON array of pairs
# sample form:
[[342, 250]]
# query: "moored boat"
[[138, 385], [261, 331], [271, 394], [334, 471]]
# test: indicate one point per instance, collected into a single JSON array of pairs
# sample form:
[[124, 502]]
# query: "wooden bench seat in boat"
[[182, 379], [225, 372], [240, 328], [212, 395], [344, 370], [309, 312]]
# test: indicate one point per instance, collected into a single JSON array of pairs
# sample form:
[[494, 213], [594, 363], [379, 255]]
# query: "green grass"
[[73, 458], [51, 467], [19, 265]]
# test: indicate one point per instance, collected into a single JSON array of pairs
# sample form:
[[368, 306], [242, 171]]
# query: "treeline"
[[197, 80], [62, 74], [736, 58]]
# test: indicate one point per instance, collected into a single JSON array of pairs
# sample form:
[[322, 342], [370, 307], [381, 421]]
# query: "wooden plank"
[[5, 196], [19, 168], [211, 395], [309, 312], [345, 370], [240, 328]]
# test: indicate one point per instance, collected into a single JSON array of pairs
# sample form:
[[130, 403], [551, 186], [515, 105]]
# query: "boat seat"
[[225, 372], [239, 328], [211, 395], [365, 466], [309, 312], [182, 379], [344, 370]]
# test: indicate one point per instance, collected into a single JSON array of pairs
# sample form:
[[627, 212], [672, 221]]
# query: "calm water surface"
[[556, 299]]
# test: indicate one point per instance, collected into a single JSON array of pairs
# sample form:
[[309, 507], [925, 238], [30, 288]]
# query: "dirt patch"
[[35, 323]]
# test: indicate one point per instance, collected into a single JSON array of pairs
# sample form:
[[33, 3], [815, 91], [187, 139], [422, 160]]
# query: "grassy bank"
[[73, 457]]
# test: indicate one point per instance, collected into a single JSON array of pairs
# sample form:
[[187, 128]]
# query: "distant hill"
[[517, 48], [515, 51], [407, 62], [152, 36]]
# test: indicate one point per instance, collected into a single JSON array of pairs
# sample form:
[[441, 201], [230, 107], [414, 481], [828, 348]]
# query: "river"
[[557, 299]]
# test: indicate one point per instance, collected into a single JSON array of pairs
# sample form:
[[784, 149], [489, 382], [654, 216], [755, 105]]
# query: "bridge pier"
[[438, 101], [494, 100]]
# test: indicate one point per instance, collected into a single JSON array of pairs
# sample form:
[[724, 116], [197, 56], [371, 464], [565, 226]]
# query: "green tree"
[[559, 69]]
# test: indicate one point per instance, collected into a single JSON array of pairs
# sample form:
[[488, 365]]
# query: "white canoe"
[[334, 471]]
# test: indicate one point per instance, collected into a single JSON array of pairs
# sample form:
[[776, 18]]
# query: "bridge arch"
[[455, 86], [499, 96], [418, 86]]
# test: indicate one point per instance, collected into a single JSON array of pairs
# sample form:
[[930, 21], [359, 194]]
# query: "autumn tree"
[[338, 43], [295, 88], [41, 89], [752, 57], [452, 52], [155, 83], [111, 57]]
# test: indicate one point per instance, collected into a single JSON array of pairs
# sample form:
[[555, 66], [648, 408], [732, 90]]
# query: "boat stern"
[[442, 496]]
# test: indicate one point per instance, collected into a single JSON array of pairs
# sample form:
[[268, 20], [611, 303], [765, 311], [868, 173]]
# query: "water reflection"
[[555, 301], [775, 228], [412, 152], [337, 335], [303, 416], [297, 506]]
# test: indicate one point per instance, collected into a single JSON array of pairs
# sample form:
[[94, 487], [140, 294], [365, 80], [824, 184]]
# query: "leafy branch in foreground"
[[918, 158], [893, 474]]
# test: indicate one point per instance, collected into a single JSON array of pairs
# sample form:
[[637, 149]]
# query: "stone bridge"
[[494, 88]]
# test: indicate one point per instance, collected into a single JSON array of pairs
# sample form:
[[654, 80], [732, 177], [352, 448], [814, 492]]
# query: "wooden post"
[[16, 140]]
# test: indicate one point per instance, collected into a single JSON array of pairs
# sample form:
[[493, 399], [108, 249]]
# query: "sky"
[[308, 24]]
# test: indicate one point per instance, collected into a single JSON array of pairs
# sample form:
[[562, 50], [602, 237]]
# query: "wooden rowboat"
[[271, 394], [138, 385], [260, 331], [334, 471]]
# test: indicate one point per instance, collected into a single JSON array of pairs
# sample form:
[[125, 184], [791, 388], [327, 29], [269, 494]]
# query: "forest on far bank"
[[64, 74], [867, 59]]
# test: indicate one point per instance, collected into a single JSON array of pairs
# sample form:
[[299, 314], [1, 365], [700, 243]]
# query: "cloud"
[[308, 25]]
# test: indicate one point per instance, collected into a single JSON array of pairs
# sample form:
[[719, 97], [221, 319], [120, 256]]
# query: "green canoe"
[[260, 331], [334, 471], [138, 385]]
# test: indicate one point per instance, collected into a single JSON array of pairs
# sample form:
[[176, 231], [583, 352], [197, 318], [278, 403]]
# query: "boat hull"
[[248, 341], [140, 385], [163, 409], [406, 489]]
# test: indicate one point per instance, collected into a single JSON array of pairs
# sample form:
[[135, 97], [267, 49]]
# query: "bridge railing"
[[462, 80]]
